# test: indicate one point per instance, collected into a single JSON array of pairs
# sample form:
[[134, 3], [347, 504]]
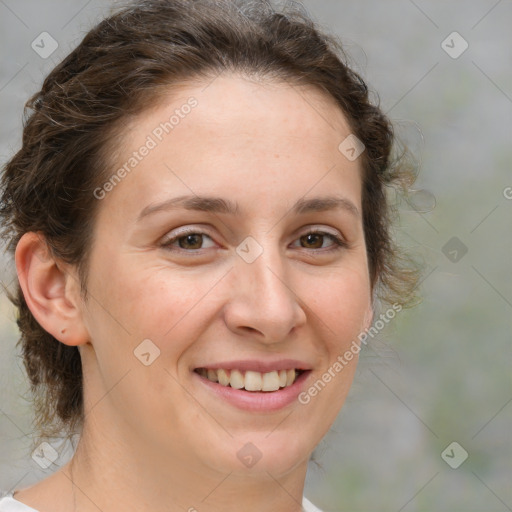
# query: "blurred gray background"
[[439, 373]]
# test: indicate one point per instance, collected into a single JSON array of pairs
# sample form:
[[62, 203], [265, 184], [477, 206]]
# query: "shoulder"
[[307, 506], [9, 504]]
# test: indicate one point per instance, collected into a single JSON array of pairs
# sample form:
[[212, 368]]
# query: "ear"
[[51, 290], [368, 317]]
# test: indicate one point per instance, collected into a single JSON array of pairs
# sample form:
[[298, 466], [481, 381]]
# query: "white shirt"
[[10, 504]]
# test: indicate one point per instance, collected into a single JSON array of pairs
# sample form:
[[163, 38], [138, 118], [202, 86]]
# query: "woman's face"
[[204, 260]]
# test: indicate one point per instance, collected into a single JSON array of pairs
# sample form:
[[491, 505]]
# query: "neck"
[[111, 474]]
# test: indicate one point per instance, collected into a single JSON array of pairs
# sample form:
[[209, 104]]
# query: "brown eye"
[[192, 241], [313, 240], [188, 241]]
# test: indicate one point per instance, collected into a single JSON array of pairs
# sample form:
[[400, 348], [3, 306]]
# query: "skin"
[[154, 437]]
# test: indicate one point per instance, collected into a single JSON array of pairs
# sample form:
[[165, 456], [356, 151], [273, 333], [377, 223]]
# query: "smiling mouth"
[[250, 380]]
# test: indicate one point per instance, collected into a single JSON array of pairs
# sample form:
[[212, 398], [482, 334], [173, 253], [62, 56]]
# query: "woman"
[[200, 228]]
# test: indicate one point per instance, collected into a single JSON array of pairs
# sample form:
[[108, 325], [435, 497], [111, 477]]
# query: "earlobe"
[[50, 290]]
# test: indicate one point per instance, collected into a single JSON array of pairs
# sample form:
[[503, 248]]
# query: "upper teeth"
[[250, 381]]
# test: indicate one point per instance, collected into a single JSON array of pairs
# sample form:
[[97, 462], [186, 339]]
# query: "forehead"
[[236, 137]]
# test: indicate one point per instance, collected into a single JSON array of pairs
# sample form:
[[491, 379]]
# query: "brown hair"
[[120, 69]]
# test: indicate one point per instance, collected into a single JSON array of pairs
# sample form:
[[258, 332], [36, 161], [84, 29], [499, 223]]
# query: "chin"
[[261, 455]]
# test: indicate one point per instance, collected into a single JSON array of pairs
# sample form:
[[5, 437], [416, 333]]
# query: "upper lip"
[[258, 365]]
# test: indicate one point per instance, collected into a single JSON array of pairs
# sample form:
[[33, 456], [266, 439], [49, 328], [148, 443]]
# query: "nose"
[[263, 300]]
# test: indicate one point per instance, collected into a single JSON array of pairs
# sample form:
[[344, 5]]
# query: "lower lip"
[[257, 400]]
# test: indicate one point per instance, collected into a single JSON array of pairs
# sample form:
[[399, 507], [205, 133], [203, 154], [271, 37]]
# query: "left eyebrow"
[[322, 204], [221, 205]]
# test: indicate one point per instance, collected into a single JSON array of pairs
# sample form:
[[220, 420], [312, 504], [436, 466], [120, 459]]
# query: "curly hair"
[[121, 68]]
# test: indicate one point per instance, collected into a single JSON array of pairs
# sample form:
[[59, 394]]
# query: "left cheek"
[[344, 303]]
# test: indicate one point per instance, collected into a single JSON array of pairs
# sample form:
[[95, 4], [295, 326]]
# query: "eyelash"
[[338, 242]]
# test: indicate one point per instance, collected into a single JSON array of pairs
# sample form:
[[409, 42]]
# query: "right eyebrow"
[[192, 202]]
